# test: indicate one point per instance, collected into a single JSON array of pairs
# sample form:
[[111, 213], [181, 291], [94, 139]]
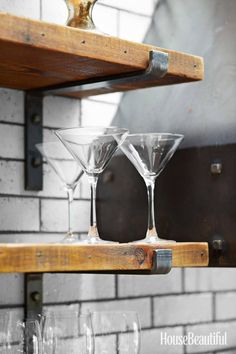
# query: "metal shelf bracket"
[[33, 295], [162, 261], [33, 135], [157, 68]]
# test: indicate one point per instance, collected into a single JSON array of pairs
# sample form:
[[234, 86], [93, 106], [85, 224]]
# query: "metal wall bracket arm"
[[157, 68], [33, 295], [162, 261], [33, 135]]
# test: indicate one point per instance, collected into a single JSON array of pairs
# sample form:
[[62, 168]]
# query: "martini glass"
[[80, 14], [68, 172], [92, 148], [150, 153]]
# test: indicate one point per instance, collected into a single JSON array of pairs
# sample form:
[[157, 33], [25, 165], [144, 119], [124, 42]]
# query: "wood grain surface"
[[36, 54], [31, 258]]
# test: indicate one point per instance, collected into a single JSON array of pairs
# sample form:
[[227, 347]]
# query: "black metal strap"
[[33, 135], [33, 295]]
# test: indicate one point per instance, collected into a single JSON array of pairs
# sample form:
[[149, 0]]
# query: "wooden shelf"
[[36, 54], [33, 258]]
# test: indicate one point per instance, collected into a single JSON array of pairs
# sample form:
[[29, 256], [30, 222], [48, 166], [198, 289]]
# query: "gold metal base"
[[80, 14]]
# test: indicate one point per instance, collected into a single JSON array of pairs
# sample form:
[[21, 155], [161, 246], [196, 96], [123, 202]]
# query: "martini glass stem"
[[69, 236], [93, 231], [151, 231], [70, 200]]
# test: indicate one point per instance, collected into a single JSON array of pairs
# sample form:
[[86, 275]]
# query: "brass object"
[[80, 14]]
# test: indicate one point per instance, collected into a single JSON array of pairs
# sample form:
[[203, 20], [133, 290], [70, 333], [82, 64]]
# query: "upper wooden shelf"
[[33, 258], [37, 55]]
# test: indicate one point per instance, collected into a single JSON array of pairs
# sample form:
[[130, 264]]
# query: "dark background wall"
[[204, 112]]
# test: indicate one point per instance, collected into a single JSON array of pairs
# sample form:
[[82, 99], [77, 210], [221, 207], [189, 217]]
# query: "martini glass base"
[[94, 239], [154, 240], [70, 238], [97, 241], [152, 237]]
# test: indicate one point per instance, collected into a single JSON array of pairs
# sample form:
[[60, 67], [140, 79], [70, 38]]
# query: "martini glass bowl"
[[150, 153], [92, 148], [68, 172]]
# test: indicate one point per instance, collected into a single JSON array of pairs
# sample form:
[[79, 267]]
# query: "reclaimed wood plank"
[[36, 54], [31, 258]]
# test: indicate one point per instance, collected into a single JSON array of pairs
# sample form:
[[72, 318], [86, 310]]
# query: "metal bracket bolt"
[[36, 162], [35, 296], [216, 167], [108, 176], [36, 119]]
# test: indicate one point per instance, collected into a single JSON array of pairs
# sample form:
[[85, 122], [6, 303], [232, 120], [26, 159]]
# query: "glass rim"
[[49, 143], [117, 130], [68, 314], [115, 312], [171, 135]]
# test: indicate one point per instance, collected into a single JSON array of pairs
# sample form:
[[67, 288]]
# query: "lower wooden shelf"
[[33, 258]]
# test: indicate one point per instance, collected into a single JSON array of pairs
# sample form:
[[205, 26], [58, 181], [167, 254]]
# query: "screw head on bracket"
[[35, 296], [36, 119], [36, 161], [218, 245], [108, 176], [216, 167]]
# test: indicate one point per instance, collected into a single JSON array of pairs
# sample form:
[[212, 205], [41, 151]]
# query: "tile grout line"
[[41, 10]]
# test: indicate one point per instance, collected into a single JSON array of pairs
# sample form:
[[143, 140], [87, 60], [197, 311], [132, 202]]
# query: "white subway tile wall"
[[54, 217], [12, 106], [83, 287], [97, 112], [181, 309], [11, 288], [19, 214], [136, 285], [196, 300], [25, 8], [11, 141], [225, 312]]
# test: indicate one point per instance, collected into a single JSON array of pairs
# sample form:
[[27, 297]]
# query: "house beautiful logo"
[[213, 338]]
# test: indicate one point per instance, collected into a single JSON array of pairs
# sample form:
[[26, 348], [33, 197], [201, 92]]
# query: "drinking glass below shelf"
[[67, 331], [18, 336]]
